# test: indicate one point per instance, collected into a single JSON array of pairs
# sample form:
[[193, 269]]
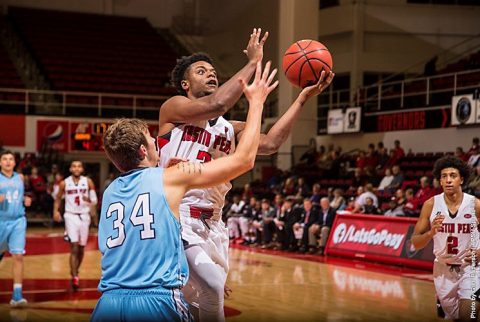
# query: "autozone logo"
[[351, 234]]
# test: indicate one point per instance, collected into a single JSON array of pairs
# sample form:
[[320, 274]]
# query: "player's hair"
[[122, 140], [81, 162], [450, 161], [182, 67], [5, 152]]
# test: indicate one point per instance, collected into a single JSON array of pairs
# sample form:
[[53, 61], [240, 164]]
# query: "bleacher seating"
[[9, 77], [96, 53]]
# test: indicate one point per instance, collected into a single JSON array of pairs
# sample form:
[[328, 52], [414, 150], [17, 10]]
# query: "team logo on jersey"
[[468, 216]]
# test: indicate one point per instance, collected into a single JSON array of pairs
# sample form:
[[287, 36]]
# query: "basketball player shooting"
[[191, 127], [451, 220]]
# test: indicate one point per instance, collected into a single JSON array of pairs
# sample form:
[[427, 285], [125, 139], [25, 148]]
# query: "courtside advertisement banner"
[[377, 238]]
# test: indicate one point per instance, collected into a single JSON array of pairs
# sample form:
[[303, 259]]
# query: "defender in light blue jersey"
[[143, 262], [13, 223]]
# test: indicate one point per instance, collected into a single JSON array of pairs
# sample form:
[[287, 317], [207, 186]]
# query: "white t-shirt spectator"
[[385, 182], [367, 194]]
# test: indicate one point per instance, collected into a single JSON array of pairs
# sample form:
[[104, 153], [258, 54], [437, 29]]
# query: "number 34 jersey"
[[459, 232], [139, 236], [200, 142]]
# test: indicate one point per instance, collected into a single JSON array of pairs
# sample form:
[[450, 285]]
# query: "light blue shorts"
[[12, 235], [158, 304]]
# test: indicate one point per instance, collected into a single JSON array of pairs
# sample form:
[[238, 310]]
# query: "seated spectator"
[[349, 208], [397, 180], [338, 202], [382, 155], [372, 177], [475, 148], [358, 178], [247, 192], [398, 150], [309, 216], [436, 187], [371, 157], [310, 156], [400, 195], [315, 197], [361, 160], [245, 221], [474, 160], [302, 190], [409, 208], [415, 204], [369, 208], [233, 217], [394, 210], [288, 187], [473, 185], [460, 154], [321, 228], [361, 200], [268, 225], [256, 226], [39, 189], [284, 225], [386, 180]]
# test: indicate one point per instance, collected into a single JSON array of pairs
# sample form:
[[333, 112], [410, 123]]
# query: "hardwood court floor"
[[266, 287]]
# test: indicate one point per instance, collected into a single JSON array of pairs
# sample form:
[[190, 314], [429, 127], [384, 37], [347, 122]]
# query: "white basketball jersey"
[[458, 234], [200, 143], [74, 194]]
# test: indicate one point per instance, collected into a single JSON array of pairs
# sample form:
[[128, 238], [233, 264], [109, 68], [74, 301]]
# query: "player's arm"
[[187, 175], [180, 109], [424, 232], [270, 142], [91, 198], [58, 199]]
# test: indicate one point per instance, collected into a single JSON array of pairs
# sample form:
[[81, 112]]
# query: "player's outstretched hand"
[[262, 85], [313, 90], [254, 49]]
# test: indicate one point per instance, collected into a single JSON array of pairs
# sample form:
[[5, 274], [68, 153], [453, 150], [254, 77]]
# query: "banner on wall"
[[378, 238], [463, 109], [352, 119], [335, 121], [54, 133]]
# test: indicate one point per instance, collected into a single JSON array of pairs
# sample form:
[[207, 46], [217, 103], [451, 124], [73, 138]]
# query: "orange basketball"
[[304, 61]]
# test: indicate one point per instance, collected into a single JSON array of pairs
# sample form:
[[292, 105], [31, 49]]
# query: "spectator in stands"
[[245, 221], [397, 180], [394, 210], [310, 156], [382, 155], [349, 208], [39, 189], [460, 154], [361, 160], [474, 159], [322, 227], [371, 176], [361, 200], [398, 151], [268, 224], [330, 195], [437, 188], [301, 189], [369, 208], [247, 192], [284, 225], [277, 203], [386, 180], [409, 207], [338, 202], [257, 223], [26, 164], [358, 178], [315, 198], [400, 195], [423, 194], [475, 148], [288, 187], [371, 157], [308, 216], [473, 185], [233, 217]]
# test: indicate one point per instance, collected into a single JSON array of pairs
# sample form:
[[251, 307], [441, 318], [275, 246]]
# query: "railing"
[[417, 92], [71, 103]]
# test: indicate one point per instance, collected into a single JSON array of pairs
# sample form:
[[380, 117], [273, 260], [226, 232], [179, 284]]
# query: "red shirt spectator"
[[398, 150]]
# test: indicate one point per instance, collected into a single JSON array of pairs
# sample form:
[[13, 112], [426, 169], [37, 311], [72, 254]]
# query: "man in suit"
[[322, 227], [308, 216]]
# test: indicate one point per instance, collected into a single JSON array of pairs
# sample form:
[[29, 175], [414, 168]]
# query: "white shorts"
[[214, 241], [77, 226], [453, 284]]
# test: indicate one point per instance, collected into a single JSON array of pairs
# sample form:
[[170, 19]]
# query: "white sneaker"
[[20, 303]]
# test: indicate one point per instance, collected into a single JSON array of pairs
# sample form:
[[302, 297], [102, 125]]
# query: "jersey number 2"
[[140, 216], [452, 245], [204, 156]]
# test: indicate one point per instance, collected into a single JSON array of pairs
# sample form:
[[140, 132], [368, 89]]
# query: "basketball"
[[304, 61]]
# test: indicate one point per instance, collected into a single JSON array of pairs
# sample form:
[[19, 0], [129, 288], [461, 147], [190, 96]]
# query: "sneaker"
[[20, 303], [75, 283]]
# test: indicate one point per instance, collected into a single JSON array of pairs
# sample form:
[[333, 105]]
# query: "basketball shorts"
[[77, 227], [213, 239], [453, 283], [123, 305], [12, 235]]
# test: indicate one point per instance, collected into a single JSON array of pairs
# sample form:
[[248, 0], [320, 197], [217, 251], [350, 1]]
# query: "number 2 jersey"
[[74, 193], [200, 143], [12, 189], [458, 234], [139, 236]]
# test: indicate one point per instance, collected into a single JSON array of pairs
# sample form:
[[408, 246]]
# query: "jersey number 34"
[[140, 216]]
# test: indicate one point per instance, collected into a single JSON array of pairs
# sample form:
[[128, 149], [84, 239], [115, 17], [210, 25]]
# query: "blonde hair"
[[122, 140]]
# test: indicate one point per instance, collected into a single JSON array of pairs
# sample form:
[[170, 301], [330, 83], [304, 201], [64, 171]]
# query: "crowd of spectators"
[[290, 213]]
